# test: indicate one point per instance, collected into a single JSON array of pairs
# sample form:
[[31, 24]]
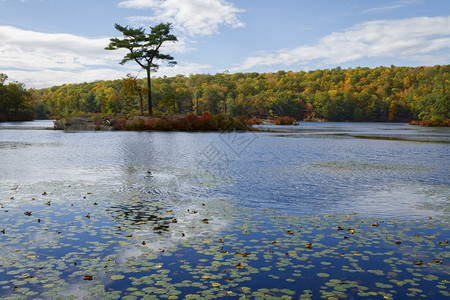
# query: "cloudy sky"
[[52, 42]]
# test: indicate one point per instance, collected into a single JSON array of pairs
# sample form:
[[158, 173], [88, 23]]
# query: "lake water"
[[80, 210], [383, 170]]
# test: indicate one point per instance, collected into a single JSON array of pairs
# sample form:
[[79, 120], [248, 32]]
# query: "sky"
[[44, 43]]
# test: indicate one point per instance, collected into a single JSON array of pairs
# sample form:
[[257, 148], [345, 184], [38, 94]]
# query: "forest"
[[15, 102], [382, 94]]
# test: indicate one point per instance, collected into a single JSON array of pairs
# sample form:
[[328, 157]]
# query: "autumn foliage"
[[285, 121], [191, 122], [382, 94]]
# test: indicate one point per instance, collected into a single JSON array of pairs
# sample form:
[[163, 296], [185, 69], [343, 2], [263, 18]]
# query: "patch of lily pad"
[[104, 241]]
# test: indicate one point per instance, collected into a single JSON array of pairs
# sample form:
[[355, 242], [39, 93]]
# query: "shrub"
[[138, 124], [254, 120], [285, 121], [432, 123], [206, 121], [119, 124], [191, 122]]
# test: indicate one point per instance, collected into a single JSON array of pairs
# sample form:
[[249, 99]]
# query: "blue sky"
[[53, 42]]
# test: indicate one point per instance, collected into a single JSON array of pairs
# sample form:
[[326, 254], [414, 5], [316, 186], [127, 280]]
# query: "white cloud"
[[395, 5], [25, 49], [408, 39], [42, 59], [50, 77], [184, 68], [40, 78], [195, 17]]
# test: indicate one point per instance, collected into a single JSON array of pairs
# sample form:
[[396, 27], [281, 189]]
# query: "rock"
[[82, 123]]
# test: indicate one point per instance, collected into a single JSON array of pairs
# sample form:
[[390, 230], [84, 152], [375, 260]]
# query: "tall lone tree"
[[144, 49]]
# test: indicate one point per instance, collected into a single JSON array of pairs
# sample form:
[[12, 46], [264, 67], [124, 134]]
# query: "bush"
[[191, 122], [432, 123], [137, 125], [254, 120], [285, 121], [119, 123]]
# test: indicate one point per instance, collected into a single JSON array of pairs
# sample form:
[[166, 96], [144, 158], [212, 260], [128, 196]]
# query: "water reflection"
[[405, 201], [375, 131], [142, 215], [29, 125], [317, 173]]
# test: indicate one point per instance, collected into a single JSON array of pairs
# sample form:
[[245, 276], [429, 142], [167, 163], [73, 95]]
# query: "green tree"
[[169, 99], [18, 101], [144, 49], [3, 106], [131, 87], [287, 104]]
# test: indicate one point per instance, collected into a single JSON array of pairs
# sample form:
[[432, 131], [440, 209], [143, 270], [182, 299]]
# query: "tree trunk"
[[149, 84], [196, 106], [141, 103]]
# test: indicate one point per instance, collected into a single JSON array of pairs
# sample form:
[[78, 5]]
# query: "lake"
[[328, 210]]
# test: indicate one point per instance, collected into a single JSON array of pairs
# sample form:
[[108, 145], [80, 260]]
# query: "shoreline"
[[189, 123], [165, 123]]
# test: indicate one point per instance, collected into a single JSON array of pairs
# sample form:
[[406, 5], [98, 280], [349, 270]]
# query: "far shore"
[[190, 122]]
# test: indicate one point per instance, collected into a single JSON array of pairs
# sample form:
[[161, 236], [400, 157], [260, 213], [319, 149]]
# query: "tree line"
[[15, 101], [396, 94]]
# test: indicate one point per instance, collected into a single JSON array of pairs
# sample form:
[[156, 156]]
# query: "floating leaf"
[[117, 277], [244, 254], [240, 266]]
